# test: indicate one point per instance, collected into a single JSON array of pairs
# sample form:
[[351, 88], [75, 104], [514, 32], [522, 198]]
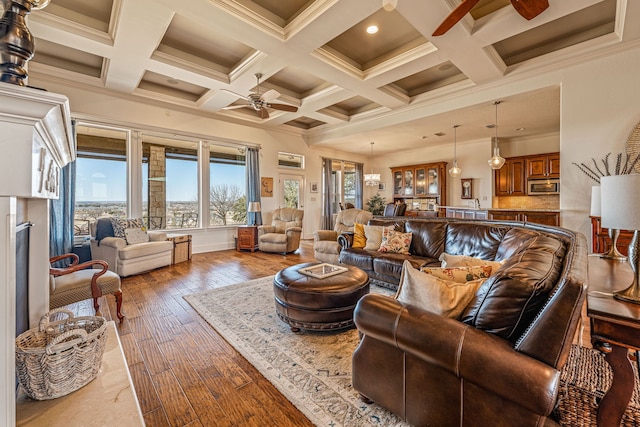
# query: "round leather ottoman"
[[327, 304]]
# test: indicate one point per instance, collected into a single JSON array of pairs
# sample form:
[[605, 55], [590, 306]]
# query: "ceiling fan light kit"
[[259, 102], [528, 9]]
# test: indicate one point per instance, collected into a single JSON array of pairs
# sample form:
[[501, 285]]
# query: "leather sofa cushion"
[[508, 301], [357, 257], [479, 241], [391, 264], [513, 240], [428, 237]]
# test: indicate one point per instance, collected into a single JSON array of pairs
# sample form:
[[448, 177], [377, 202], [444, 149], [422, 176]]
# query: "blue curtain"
[[359, 187], [61, 213], [327, 195], [253, 184]]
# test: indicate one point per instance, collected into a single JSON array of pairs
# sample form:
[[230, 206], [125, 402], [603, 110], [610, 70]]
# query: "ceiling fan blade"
[[283, 107], [529, 9], [455, 15], [233, 93], [270, 95], [263, 113], [234, 107]]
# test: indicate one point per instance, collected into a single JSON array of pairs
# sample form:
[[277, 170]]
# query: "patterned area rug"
[[312, 369]]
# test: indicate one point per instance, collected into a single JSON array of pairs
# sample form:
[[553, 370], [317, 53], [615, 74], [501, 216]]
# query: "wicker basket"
[[60, 356], [583, 382]]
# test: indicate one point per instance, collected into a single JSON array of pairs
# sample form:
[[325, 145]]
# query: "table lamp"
[[254, 207], [614, 233], [620, 196]]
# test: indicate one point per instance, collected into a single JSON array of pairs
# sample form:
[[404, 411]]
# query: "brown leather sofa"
[[499, 364]]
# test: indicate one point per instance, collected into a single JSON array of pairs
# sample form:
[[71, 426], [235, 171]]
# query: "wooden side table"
[[615, 329], [247, 237]]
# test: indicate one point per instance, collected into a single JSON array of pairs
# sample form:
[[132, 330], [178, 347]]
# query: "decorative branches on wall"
[[597, 171]]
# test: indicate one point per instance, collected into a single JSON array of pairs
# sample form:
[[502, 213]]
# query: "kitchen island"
[[538, 216]]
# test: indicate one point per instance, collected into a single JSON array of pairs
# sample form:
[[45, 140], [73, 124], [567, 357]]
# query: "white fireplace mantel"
[[35, 144]]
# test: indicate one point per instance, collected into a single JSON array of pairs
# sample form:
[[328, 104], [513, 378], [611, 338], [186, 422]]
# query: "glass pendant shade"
[[497, 161], [455, 171]]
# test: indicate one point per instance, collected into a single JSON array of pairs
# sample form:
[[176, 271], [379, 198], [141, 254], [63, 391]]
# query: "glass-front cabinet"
[[421, 185]]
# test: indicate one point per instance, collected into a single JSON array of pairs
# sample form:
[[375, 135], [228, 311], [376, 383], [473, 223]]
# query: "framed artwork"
[[467, 188], [382, 186], [314, 187], [266, 187]]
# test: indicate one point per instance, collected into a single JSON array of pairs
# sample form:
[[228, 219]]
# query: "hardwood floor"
[[185, 374]]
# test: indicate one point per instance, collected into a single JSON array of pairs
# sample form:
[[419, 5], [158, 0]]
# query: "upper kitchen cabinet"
[[543, 166], [510, 178]]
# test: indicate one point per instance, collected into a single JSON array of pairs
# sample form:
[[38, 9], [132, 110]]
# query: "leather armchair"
[[283, 235], [325, 246]]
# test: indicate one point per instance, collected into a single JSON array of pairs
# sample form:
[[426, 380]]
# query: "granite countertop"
[[500, 209]]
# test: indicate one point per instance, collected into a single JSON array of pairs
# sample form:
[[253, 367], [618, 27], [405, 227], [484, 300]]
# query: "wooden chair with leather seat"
[[80, 281]]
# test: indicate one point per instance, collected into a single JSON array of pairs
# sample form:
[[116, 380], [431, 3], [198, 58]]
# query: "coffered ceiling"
[[396, 86]]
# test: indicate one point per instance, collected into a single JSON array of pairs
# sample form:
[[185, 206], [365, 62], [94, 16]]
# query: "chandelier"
[[455, 171], [372, 179], [496, 161]]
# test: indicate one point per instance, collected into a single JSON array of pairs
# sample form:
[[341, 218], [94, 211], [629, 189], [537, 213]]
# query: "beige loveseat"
[[325, 246], [127, 259]]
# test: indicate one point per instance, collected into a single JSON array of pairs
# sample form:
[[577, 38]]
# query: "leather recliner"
[[325, 246]]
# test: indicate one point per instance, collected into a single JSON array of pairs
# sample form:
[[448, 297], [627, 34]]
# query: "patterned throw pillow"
[[373, 233], [459, 274], [449, 260], [444, 297], [121, 224], [359, 239], [136, 235], [395, 242]]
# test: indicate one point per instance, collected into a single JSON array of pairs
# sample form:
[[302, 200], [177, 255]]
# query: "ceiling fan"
[[260, 102], [528, 9]]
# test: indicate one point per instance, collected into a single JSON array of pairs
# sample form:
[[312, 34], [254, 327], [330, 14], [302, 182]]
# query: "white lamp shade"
[[254, 207], [620, 197], [595, 201]]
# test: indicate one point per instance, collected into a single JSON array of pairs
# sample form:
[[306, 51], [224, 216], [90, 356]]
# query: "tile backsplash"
[[527, 202]]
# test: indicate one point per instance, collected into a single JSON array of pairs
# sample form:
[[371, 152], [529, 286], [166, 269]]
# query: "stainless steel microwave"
[[542, 187]]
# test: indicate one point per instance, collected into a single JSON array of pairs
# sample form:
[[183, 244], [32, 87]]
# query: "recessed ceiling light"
[[172, 81], [372, 29], [520, 129], [439, 134]]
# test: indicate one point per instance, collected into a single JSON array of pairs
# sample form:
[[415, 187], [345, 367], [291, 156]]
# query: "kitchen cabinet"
[[466, 213], [544, 166], [537, 217], [510, 179]]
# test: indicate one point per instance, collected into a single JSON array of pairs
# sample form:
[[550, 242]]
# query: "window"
[[227, 191], [101, 174], [289, 160], [170, 183], [344, 184]]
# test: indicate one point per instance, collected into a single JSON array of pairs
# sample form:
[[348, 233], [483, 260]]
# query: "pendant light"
[[372, 179], [496, 161], [455, 171]]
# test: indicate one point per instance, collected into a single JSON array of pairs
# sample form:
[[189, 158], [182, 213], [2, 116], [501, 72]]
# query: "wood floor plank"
[[145, 390], [156, 418], [175, 403], [131, 350], [153, 357]]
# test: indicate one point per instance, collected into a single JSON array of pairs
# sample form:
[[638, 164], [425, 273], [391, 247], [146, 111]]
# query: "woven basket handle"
[[46, 318], [55, 346]]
